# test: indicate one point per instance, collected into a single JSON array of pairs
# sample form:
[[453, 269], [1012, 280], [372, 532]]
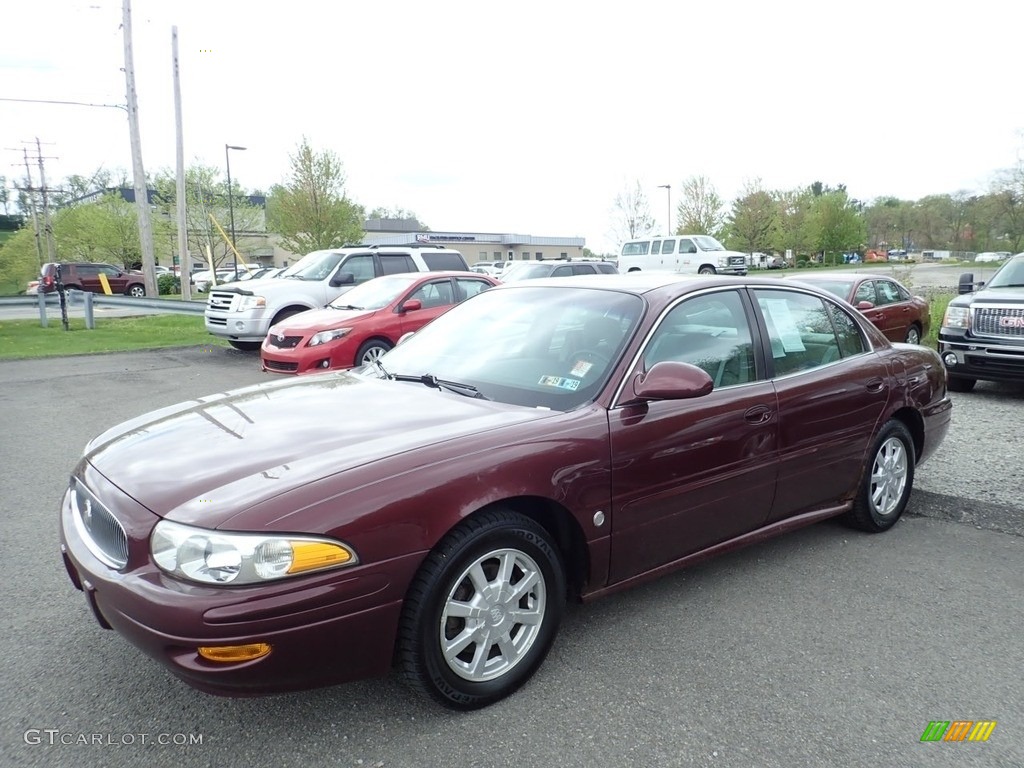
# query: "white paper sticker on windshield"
[[560, 382], [579, 370], [785, 325]]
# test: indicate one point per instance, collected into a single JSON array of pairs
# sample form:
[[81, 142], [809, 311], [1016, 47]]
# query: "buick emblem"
[[87, 515]]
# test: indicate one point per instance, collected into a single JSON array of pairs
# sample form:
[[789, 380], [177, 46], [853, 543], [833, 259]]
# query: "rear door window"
[[437, 262]]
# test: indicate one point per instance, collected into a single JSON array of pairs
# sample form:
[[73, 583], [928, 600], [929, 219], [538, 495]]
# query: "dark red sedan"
[[365, 322], [894, 310], [433, 510]]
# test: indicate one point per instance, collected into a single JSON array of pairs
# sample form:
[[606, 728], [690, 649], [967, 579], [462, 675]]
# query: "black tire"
[[706, 270], [72, 288], [887, 481], [137, 291], [246, 346], [371, 350], [486, 540], [913, 334], [960, 384]]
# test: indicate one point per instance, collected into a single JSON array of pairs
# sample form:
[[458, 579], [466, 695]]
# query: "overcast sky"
[[531, 117]]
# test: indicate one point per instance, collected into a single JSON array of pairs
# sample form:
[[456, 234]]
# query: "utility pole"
[[141, 190], [32, 207], [184, 262], [51, 246]]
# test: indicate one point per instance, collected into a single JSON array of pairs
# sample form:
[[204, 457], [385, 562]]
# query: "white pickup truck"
[[243, 312]]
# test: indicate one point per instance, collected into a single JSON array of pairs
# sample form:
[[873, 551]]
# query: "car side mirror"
[[966, 284], [672, 380], [343, 278], [862, 305], [411, 305]]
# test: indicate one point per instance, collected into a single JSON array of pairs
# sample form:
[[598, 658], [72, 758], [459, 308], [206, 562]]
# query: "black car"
[[982, 334], [532, 270]]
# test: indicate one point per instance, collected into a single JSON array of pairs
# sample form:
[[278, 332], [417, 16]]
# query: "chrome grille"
[[737, 261], [100, 530], [1006, 322], [221, 300]]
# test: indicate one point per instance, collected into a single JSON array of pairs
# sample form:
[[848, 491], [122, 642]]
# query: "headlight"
[[723, 261], [956, 317], [212, 557], [251, 302], [325, 336]]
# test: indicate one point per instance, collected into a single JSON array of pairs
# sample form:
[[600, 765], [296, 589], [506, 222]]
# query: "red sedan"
[[896, 312], [364, 323], [431, 512]]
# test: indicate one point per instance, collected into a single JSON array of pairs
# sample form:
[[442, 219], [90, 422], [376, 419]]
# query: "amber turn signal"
[[232, 654]]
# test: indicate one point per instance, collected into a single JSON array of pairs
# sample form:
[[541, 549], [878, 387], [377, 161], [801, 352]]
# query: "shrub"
[[168, 284]]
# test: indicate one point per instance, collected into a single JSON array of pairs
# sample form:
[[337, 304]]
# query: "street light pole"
[[231, 204], [668, 189]]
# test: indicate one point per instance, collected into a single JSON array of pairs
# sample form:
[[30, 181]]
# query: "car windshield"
[[840, 288], [539, 347], [376, 293], [525, 272], [314, 266], [708, 243], [1010, 275]]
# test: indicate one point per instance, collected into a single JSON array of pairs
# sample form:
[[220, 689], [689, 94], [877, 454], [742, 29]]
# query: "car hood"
[[315, 320], [1000, 294], [257, 286], [206, 460]]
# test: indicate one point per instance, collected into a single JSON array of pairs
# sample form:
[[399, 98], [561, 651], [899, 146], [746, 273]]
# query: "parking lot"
[[826, 647]]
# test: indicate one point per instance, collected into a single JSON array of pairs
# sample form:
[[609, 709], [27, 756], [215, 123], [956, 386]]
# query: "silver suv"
[[243, 312]]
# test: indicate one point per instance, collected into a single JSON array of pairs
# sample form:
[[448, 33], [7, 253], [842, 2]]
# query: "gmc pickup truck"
[[982, 334]]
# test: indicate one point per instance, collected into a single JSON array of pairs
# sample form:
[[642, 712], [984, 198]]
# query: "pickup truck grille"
[[1004, 322], [221, 300], [737, 261]]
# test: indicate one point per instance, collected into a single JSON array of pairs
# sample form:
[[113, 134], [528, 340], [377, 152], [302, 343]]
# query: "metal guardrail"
[[99, 299]]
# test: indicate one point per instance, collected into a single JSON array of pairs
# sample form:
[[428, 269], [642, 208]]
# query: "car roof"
[[640, 283], [842, 276]]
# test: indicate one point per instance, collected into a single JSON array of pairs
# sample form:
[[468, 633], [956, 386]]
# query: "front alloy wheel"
[[483, 611], [887, 482]]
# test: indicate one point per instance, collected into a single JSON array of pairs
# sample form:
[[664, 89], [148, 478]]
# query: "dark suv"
[[982, 334], [532, 270], [85, 276]]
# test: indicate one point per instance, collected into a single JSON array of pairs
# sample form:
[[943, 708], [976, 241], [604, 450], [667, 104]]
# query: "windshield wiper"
[[343, 306], [430, 380]]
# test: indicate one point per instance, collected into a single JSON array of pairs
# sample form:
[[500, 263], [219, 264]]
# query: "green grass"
[[26, 339], [937, 303]]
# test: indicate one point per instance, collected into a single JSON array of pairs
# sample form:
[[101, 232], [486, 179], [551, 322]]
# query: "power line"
[[74, 103]]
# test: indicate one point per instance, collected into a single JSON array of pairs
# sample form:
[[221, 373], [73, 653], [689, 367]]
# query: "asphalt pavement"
[[825, 647]]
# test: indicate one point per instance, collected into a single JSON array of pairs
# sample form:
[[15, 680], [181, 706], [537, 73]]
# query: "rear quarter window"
[[439, 262]]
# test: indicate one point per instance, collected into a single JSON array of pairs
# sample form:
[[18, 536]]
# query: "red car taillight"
[[48, 281]]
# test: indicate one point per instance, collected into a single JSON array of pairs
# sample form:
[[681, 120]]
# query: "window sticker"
[[560, 382], [580, 369], [789, 334]]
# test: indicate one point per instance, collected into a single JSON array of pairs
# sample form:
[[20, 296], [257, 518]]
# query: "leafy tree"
[[1007, 198], [835, 225], [754, 222], [19, 260], [397, 213], [5, 195], [311, 210], [632, 214], [206, 195], [793, 229], [700, 211], [106, 229]]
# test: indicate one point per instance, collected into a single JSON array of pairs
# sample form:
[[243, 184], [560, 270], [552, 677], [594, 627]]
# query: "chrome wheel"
[[370, 354], [493, 615], [888, 477], [913, 335]]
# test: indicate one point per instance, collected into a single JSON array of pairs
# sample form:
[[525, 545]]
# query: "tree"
[[793, 232], [835, 225], [206, 195], [106, 230], [311, 211], [700, 211], [1007, 196], [632, 214], [754, 221], [397, 213], [5, 195]]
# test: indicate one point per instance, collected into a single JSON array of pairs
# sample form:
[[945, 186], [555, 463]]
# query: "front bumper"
[[971, 357], [236, 326], [324, 628]]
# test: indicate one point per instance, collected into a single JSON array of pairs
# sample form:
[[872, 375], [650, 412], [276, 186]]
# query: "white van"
[[697, 254]]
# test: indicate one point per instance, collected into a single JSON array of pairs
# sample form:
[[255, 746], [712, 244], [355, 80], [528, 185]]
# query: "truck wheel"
[[707, 270]]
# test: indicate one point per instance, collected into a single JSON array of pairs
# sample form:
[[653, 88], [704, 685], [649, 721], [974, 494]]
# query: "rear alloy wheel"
[[913, 335], [960, 384], [371, 350], [137, 291], [887, 481], [482, 612], [706, 270]]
